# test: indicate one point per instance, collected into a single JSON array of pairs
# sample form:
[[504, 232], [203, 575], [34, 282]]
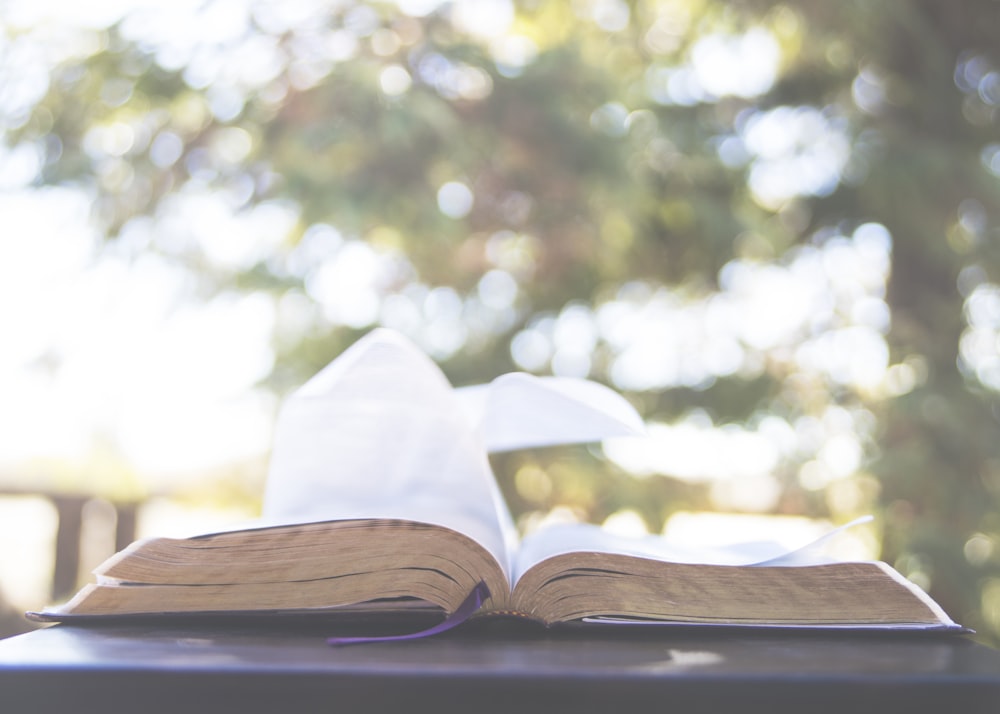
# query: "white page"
[[378, 434], [572, 537], [519, 411]]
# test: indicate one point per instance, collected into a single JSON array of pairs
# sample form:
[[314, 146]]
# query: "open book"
[[380, 498]]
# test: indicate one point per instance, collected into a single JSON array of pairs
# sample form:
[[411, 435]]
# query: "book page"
[[520, 411], [378, 433], [575, 537]]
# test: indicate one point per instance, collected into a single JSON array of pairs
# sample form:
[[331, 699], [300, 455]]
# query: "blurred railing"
[[69, 533]]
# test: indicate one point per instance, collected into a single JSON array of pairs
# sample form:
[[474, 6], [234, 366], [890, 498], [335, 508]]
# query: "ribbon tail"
[[469, 606]]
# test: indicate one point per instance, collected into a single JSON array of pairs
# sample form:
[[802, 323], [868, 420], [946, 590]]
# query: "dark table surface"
[[254, 667]]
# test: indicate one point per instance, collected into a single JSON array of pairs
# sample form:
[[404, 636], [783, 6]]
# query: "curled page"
[[519, 411], [814, 553], [378, 433], [574, 537]]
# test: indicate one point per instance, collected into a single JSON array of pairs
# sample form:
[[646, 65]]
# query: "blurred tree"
[[773, 226]]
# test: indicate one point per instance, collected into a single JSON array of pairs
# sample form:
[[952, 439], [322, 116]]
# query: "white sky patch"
[[19, 166], [44, 244], [483, 18], [512, 53], [774, 304], [95, 15], [497, 289], [857, 356], [350, 282], [738, 65], [697, 451], [979, 356], [102, 349], [668, 341], [238, 240], [198, 408], [720, 65], [394, 80], [419, 8], [610, 15], [797, 151], [455, 199], [626, 523]]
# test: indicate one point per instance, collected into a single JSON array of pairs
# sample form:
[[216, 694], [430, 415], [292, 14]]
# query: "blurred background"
[[774, 227]]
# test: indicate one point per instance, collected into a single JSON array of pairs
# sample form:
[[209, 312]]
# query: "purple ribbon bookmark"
[[469, 606]]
